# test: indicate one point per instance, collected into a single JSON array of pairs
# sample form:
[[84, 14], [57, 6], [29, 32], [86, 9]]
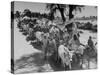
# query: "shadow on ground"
[[29, 60], [37, 60]]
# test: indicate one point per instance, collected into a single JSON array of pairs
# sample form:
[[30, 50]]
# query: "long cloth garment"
[[66, 37], [51, 46], [74, 44], [45, 40]]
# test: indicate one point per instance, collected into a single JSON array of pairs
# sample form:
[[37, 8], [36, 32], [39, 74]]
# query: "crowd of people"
[[62, 42]]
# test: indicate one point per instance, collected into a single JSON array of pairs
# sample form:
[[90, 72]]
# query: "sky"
[[35, 7], [87, 11], [41, 7]]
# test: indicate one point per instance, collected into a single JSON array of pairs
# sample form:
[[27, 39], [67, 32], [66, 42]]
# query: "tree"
[[61, 7], [54, 7], [71, 15], [27, 13], [72, 8]]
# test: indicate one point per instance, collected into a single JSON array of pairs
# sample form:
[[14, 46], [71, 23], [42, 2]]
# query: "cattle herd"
[[61, 41]]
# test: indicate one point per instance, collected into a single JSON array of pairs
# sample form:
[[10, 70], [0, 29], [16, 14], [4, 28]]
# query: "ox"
[[65, 55]]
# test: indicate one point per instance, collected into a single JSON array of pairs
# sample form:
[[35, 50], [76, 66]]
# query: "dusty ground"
[[31, 60]]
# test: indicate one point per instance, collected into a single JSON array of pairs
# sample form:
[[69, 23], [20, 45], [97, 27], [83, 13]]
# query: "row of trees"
[[87, 18], [52, 8], [87, 26], [30, 14]]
